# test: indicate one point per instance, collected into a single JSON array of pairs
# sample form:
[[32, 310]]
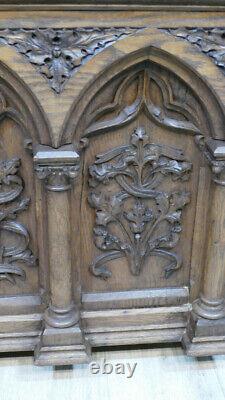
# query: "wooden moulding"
[[169, 5], [20, 322], [136, 298]]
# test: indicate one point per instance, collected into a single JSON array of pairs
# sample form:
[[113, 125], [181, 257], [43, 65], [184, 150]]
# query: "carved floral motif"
[[138, 220], [58, 53], [14, 236], [172, 113], [210, 41]]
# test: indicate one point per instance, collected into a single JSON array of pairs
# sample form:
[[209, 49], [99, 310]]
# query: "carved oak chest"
[[112, 176]]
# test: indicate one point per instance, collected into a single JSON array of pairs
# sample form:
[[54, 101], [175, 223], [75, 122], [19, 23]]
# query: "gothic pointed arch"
[[140, 119], [19, 104]]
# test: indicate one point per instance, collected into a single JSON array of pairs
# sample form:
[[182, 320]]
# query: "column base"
[[204, 337], [209, 309], [64, 346], [61, 317]]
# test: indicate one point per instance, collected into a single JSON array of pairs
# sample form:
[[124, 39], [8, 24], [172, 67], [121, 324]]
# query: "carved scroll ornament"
[[14, 242], [138, 220], [58, 53]]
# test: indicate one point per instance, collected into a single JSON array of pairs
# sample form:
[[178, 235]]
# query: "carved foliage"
[[14, 236], [210, 41], [171, 113], [137, 220], [58, 53]]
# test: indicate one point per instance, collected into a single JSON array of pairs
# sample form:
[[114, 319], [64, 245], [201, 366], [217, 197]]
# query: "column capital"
[[57, 167], [214, 153]]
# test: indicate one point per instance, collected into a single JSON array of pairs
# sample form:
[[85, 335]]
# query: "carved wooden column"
[[211, 303], [58, 168]]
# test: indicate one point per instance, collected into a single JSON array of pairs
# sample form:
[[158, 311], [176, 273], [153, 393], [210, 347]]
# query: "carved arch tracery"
[[187, 74]]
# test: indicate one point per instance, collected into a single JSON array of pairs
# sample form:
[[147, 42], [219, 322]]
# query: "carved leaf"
[[57, 53], [210, 41]]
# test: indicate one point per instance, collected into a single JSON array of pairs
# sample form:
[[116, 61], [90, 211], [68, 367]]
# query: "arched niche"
[[154, 89], [22, 123], [193, 68]]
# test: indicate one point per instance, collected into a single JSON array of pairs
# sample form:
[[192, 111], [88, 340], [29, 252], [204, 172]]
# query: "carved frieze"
[[58, 53], [138, 219], [210, 41], [14, 236]]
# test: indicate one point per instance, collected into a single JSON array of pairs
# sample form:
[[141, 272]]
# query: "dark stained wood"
[[114, 5], [112, 174]]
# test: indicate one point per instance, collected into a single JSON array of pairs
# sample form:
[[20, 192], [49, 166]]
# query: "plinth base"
[[61, 347]]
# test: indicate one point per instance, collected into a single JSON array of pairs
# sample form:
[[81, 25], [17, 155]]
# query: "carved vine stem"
[[137, 221], [58, 53], [14, 244]]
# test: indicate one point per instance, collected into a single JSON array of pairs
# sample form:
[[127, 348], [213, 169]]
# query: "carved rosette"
[[58, 53], [14, 244], [57, 167], [139, 219]]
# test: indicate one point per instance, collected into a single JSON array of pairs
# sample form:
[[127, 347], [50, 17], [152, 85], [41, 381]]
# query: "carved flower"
[[138, 135], [174, 217], [138, 216], [106, 241]]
